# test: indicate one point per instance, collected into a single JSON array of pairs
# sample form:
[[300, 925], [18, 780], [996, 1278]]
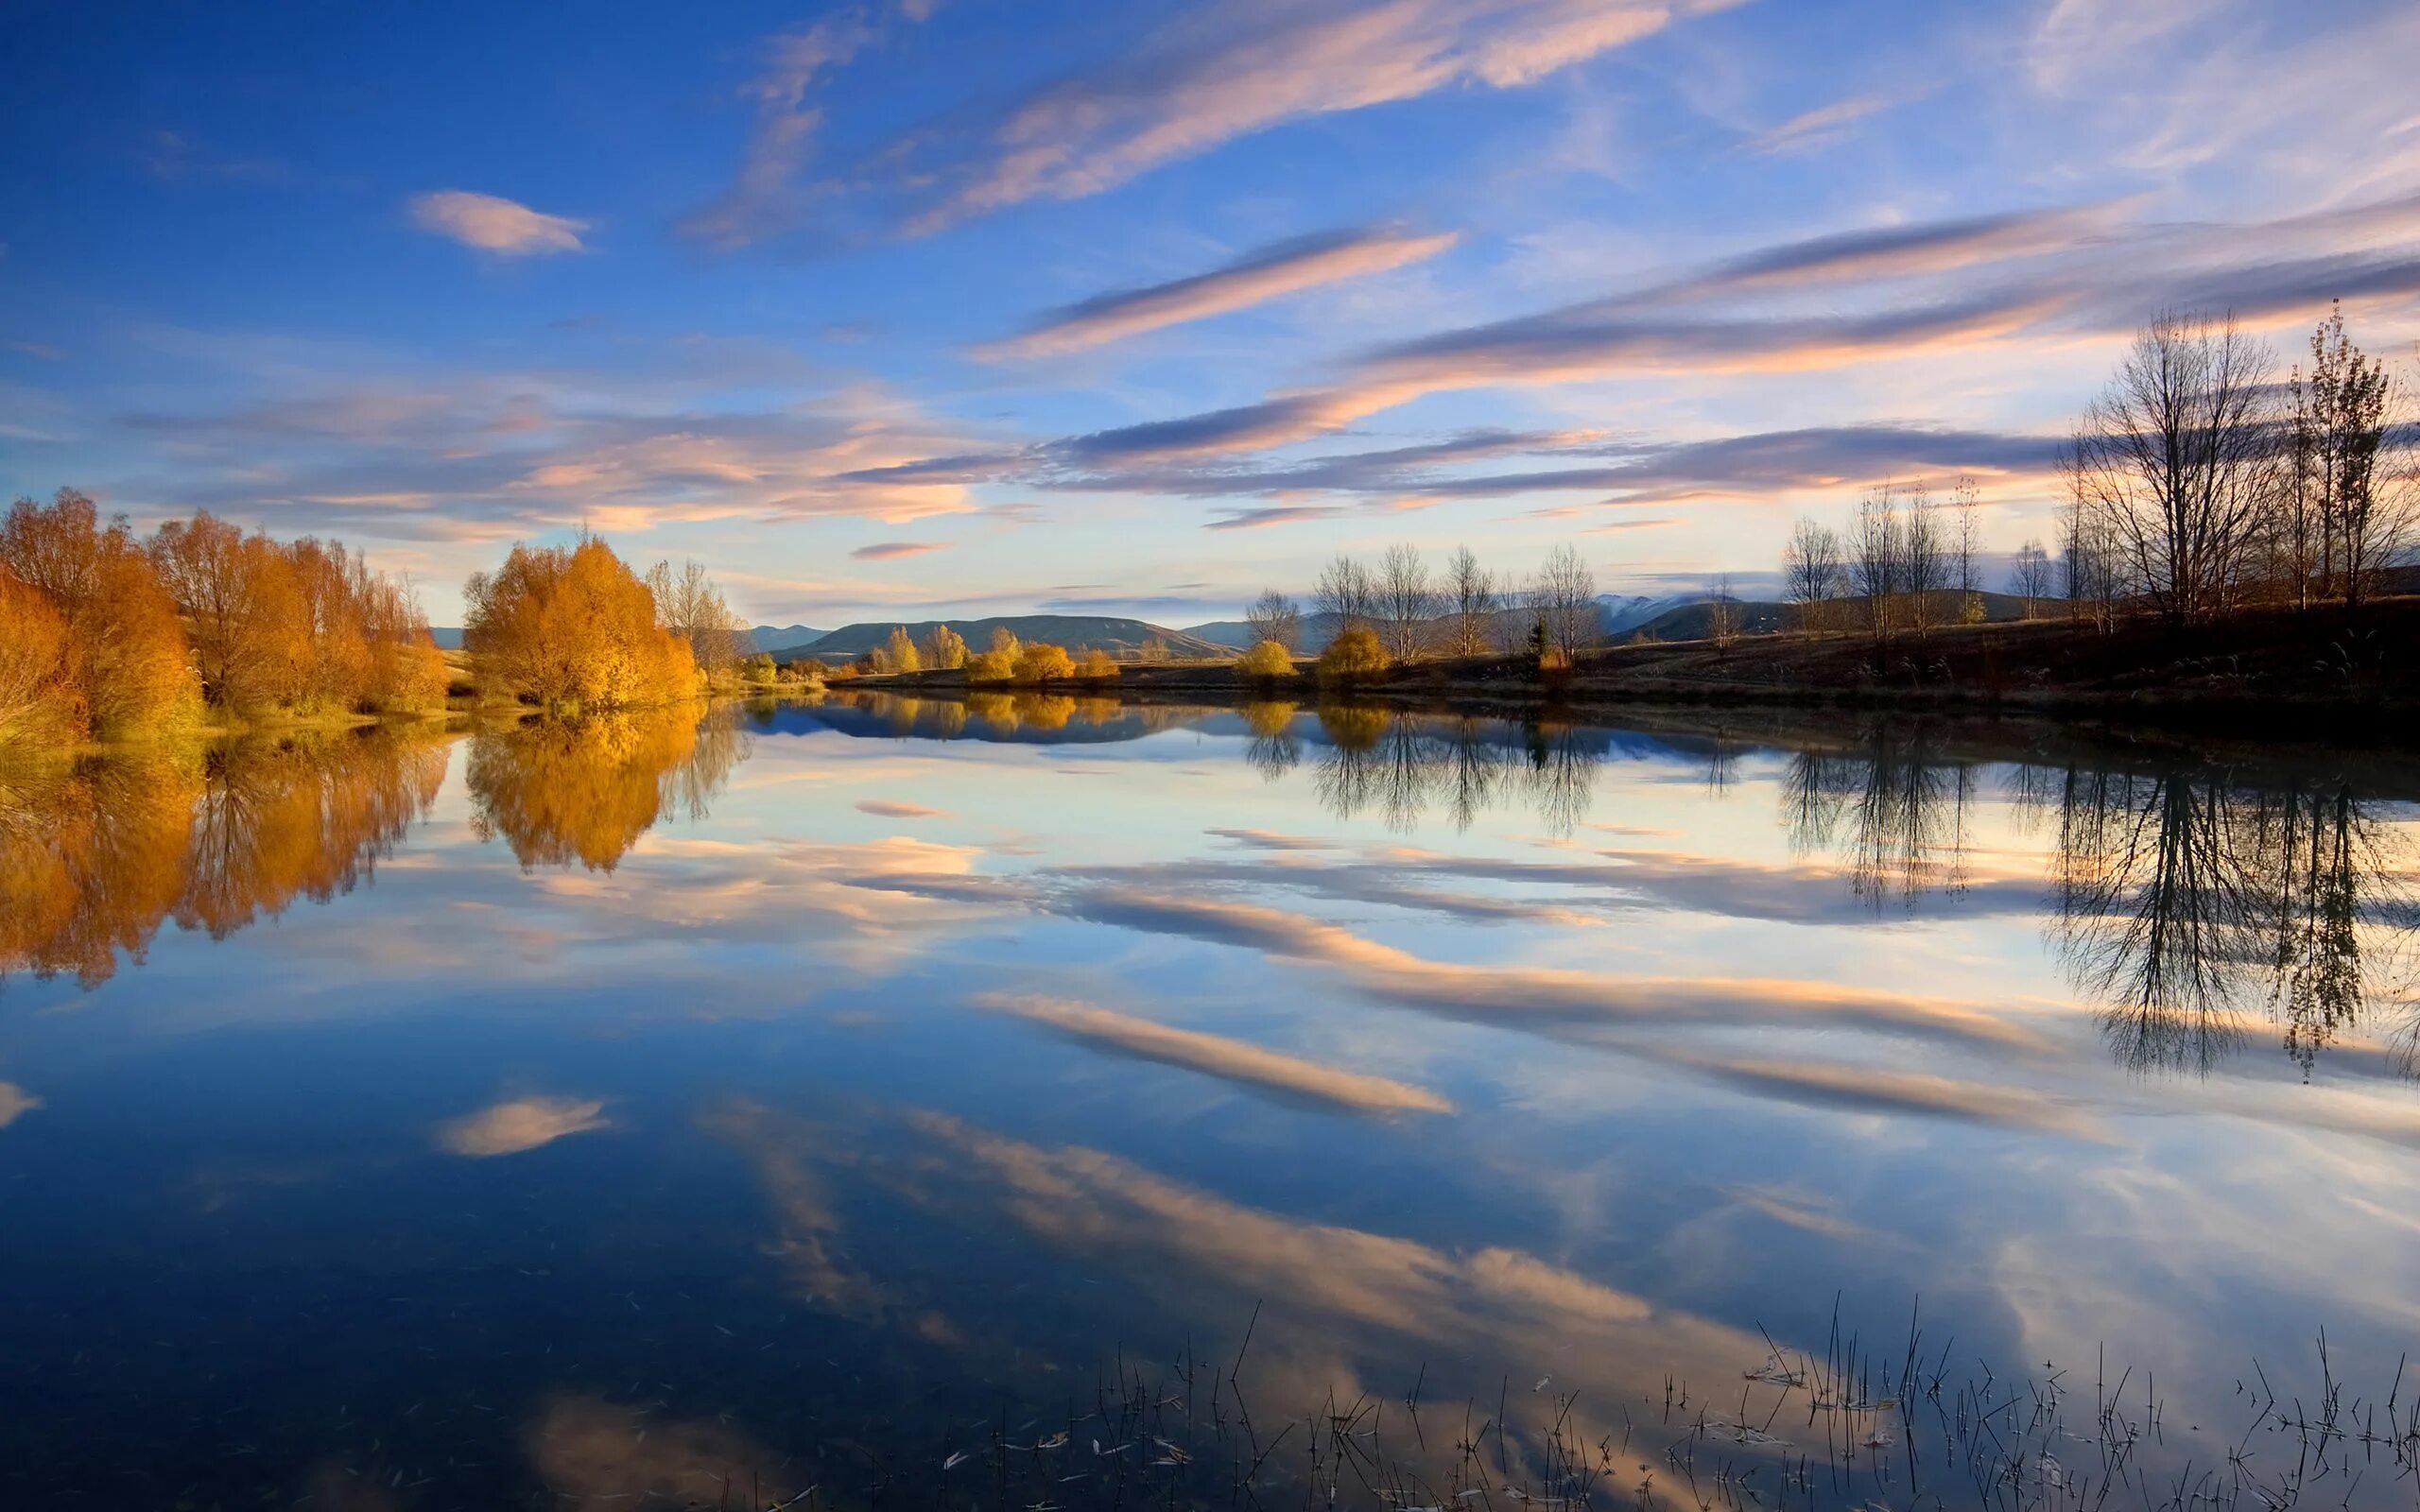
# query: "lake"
[[1038, 1103]]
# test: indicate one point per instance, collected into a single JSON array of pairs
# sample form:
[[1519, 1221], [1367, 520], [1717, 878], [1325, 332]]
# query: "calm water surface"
[[699, 1110]]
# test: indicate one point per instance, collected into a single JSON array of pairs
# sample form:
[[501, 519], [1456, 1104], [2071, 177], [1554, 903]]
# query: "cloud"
[[2055, 275], [487, 459], [1218, 1056], [15, 1102], [175, 157], [888, 550], [894, 809], [495, 225], [1280, 515], [1273, 272], [1235, 68], [761, 200], [1818, 128], [523, 1123]]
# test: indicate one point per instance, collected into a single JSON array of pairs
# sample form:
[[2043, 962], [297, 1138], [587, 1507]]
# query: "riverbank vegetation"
[[199, 627], [104, 634]]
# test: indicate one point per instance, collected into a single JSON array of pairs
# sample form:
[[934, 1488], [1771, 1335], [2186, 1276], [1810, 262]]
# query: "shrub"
[[991, 666], [1041, 661], [1097, 665], [1267, 659], [1355, 653]]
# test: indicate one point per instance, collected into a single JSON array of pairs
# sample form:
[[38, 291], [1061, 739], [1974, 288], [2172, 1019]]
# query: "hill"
[[779, 640], [1077, 632], [1617, 616], [1694, 620]]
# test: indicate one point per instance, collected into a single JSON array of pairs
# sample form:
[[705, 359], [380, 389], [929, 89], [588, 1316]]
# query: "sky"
[[932, 308]]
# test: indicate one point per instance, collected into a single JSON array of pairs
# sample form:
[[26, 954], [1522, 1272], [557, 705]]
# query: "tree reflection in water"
[[1894, 806], [2185, 898], [96, 853], [584, 790], [1273, 748], [1399, 764]]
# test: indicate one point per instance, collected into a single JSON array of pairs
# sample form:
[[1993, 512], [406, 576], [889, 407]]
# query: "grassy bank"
[[2292, 669]]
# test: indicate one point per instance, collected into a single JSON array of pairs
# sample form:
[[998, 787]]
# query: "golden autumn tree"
[[39, 699], [1042, 662], [124, 668], [244, 608], [944, 649], [573, 626]]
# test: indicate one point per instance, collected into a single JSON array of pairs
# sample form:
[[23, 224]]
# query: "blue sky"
[[961, 306]]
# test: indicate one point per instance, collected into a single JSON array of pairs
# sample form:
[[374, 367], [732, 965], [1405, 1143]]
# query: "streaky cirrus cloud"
[[493, 224], [2011, 278], [1218, 72], [1282, 514], [1270, 273], [760, 201], [1819, 128], [1219, 1056], [892, 550], [518, 1124]]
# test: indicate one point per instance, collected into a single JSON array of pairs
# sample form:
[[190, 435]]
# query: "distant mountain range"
[[1077, 632], [1620, 618], [774, 638]]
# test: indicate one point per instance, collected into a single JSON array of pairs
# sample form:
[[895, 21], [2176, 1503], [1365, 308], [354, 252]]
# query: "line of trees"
[[2198, 484], [1401, 610], [104, 634], [1006, 660]]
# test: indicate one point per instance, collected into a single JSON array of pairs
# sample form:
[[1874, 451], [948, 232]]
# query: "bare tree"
[[2088, 562], [1405, 601], [2030, 579], [2176, 463], [1875, 559], [1475, 605], [1274, 616], [1345, 595], [1722, 614], [1964, 542], [1563, 600], [691, 606], [1811, 572], [1923, 560]]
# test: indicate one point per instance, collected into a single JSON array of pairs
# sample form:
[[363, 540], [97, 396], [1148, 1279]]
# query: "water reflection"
[[560, 791], [96, 853], [2188, 900], [1890, 805], [2185, 899], [1399, 765]]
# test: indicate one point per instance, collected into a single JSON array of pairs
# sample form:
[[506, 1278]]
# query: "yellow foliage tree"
[[573, 626], [1097, 665], [944, 649], [1355, 653], [1041, 661], [39, 700], [1267, 659], [125, 664]]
